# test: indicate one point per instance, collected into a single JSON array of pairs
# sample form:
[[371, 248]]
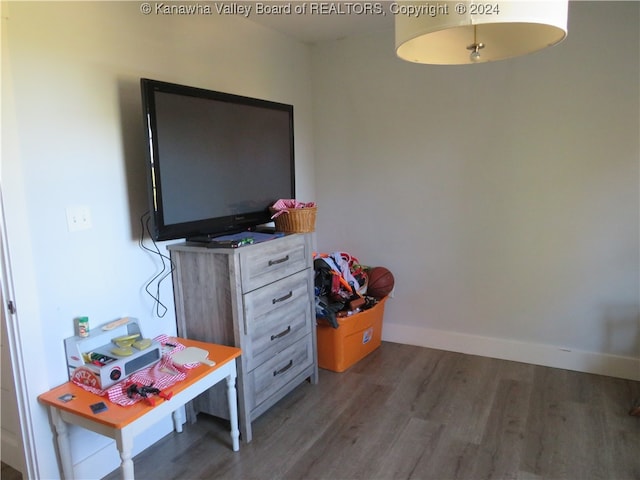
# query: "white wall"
[[72, 135], [504, 197]]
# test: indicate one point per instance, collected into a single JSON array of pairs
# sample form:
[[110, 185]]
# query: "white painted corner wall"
[[73, 136], [504, 197]]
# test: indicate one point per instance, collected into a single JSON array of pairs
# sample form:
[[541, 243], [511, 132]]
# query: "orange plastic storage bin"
[[355, 338]]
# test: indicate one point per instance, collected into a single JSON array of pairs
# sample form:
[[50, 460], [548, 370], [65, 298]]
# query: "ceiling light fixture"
[[443, 33], [475, 46]]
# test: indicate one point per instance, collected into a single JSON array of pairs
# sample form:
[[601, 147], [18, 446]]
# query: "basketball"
[[380, 283]]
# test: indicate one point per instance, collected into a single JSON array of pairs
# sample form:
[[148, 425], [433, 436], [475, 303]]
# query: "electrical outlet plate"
[[78, 218]]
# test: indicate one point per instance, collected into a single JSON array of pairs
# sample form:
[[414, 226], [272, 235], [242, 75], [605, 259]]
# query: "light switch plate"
[[78, 218]]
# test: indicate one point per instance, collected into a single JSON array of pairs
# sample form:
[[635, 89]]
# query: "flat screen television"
[[216, 161]]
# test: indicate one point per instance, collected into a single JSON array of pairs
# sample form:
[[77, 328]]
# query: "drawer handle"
[[283, 298], [280, 260], [281, 334], [283, 369]]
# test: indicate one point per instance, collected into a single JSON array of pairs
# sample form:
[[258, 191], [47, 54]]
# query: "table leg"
[[125, 447], [177, 421], [64, 445], [233, 411]]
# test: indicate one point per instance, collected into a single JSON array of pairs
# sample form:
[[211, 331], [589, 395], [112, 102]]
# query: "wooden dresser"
[[257, 297]]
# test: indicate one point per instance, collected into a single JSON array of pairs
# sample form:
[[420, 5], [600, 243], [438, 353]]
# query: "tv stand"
[[260, 298]]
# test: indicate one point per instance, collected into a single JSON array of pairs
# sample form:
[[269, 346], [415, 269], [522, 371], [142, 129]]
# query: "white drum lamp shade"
[[457, 33]]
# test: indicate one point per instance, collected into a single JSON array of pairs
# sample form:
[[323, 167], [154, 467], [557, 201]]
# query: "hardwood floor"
[[8, 473], [408, 412]]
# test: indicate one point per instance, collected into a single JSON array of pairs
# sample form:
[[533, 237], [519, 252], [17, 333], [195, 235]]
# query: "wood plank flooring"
[[8, 473], [407, 412]]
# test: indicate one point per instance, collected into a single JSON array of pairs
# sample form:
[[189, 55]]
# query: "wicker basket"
[[296, 220]]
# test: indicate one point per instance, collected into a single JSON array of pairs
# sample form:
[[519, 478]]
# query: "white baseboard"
[[505, 349]]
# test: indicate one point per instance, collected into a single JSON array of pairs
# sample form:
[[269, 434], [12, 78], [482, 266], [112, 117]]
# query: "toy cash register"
[[110, 353]]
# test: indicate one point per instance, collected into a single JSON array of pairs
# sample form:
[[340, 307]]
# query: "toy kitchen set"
[[110, 353]]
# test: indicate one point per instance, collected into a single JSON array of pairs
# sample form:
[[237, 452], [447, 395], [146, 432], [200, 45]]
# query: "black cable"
[[161, 308]]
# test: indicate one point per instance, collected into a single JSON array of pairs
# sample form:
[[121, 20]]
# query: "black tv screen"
[[216, 161]]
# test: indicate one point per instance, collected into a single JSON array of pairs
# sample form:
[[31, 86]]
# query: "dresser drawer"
[[270, 261], [275, 330], [276, 295], [276, 372]]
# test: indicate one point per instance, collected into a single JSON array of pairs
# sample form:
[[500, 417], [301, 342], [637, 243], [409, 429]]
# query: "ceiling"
[[322, 27]]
